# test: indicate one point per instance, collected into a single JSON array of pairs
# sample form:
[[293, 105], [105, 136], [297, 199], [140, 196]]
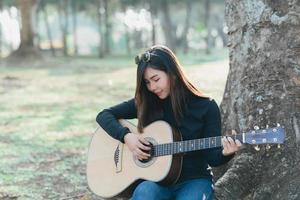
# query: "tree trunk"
[[168, 29], [26, 48], [45, 14], [64, 23], [100, 29], [187, 26], [1, 43], [127, 35], [138, 41], [74, 16], [26, 21], [107, 33], [153, 12], [263, 87], [207, 25], [37, 24]]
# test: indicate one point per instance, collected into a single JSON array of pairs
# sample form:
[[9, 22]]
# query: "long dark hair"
[[148, 104]]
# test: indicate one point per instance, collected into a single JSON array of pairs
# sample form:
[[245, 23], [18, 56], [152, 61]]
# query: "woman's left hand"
[[230, 146]]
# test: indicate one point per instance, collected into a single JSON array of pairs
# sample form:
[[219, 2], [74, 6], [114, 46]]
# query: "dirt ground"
[[47, 117]]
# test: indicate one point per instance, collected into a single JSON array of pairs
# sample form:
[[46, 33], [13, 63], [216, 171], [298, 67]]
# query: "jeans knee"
[[147, 190]]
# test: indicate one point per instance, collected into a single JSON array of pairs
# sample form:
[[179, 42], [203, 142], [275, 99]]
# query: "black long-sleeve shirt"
[[200, 120]]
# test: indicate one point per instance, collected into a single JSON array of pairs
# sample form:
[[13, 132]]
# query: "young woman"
[[163, 92]]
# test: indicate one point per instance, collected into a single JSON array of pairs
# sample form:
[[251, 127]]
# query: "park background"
[[63, 61]]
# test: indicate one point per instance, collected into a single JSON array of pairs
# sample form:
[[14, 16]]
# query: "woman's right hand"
[[136, 145]]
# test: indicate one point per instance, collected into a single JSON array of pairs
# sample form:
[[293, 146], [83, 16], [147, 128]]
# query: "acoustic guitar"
[[112, 170]]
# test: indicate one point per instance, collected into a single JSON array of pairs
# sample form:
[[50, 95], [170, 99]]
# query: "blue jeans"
[[195, 189]]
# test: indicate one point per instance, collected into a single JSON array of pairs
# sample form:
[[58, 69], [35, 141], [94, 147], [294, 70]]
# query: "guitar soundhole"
[[148, 152], [148, 162]]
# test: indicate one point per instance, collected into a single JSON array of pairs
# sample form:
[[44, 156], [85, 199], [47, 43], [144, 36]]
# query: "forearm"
[[108, 119], [111, 125]]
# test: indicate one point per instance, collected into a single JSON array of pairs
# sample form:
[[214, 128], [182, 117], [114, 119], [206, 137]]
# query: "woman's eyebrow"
[[151, 77]]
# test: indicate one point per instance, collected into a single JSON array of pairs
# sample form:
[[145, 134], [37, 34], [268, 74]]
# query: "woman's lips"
[[159, 93]]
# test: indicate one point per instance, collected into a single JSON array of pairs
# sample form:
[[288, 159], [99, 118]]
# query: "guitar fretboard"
[[190, 145]]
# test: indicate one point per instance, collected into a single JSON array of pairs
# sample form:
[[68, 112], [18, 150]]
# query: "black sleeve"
[[212, 128], [108, 119]]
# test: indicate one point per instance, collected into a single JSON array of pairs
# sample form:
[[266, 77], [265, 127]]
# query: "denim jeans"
[[195, 189]]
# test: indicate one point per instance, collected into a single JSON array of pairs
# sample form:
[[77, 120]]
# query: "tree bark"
[[186, 29], [74, 19], [26, 48], [100, 29], [168, 29], [45, 14], [1, 30], [26, 21], [107, 33], [64, 23], [263, 87], [153, 12], [207, 26], [127, 35]]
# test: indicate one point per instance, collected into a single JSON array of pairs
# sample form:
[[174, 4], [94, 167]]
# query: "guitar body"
[[112, 171]]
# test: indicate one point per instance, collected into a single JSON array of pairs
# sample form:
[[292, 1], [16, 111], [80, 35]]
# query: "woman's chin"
[[163, 96]]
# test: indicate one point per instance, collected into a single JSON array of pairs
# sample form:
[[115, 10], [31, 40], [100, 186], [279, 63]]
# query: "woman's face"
[[158, 82]]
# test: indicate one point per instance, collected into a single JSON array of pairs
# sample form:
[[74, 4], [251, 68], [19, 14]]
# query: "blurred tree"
[[263, 87], [1, 7], [26, 48], [77, 7], [183, 39], [99, 4], [127, 35], [168, 27], [36, 23], [220, 29], [102, 18], [74, 20], [153, 8], [207, 25], [63, 10], [107, 30], [48, 30], [26, 22]]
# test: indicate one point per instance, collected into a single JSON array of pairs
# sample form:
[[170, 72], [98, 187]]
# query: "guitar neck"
[[190, 145]]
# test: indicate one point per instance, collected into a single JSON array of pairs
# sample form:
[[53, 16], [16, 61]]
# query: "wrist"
[[126, 136], [228, 154]]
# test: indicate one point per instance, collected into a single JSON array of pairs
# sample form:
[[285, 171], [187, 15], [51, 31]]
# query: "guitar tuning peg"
[[256, 127], [278, 125], [268, 146], [278, 146], [256, 147]]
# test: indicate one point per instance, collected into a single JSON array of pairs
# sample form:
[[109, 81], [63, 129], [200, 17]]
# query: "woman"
[[163, 92]]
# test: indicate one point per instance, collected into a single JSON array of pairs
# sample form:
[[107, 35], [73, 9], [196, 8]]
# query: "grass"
[[47, 117]]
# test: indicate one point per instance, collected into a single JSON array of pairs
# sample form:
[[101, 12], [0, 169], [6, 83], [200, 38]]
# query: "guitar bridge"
[[117, 157]]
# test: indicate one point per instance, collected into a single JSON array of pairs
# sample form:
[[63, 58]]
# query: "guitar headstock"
[[268, 136]]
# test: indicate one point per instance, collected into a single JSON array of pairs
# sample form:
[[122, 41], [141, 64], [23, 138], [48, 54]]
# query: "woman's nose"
[[152, 87]]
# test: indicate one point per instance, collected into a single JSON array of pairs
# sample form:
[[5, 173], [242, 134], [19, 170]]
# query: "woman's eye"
[[156, 80]]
